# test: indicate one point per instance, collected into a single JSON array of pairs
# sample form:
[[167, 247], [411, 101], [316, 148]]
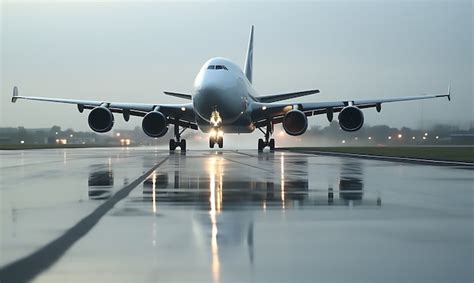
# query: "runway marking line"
[[27, 268]]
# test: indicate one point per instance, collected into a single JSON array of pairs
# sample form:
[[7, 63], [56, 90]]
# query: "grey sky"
[[131, 52]]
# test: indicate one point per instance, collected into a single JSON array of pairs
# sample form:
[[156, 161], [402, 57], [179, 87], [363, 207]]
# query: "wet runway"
[[145, 215]]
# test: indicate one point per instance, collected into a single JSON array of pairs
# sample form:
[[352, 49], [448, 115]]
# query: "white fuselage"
[[221, 86]]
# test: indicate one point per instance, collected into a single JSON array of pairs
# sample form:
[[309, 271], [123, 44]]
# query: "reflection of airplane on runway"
[[224, 101], [101, 181]]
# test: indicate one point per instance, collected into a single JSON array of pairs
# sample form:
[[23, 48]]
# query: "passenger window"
[[218, 67]]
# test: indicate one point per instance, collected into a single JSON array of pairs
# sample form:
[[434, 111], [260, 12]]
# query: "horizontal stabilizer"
[[180, 95], [283, 96]]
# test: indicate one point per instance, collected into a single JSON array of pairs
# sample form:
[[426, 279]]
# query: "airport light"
[[400, 136], [356, 138], [424, 138], [343, 141], [22, 142], [426, 134], [389, 137], [71, 135], [118, 134], [413, 138], [437, 137], [370, 138]]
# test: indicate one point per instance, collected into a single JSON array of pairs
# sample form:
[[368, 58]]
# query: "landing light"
[[264, 108], [183, 109]]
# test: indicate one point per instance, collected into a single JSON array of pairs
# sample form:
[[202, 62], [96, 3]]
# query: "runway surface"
[[145, 215]]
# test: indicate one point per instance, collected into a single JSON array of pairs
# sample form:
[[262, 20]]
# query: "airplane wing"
[[283, 96], [262, 112], [182, 113]]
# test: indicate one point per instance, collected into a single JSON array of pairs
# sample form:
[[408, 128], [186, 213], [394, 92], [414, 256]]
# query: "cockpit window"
[[217, 67]]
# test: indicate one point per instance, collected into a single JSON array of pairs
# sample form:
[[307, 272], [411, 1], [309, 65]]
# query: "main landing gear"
[[178, 142], [268, 141], [216, 137]]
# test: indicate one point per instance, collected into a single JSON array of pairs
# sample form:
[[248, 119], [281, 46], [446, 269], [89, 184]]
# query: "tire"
[[211, 142], [261, 145], [271, 144], [172, 145], [183, 145], [220, 142]]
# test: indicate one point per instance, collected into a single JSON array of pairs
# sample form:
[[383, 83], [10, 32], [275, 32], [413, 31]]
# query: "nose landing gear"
[[216, 137], [216, 134]]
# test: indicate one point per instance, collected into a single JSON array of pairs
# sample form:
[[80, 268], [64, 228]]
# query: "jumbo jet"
[[224, 101]]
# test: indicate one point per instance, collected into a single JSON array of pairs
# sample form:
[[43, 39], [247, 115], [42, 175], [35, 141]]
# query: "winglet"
[[248, 68], [449, 92], [15, 94]]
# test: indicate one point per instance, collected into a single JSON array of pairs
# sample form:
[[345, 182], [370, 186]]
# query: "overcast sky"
[[131, 52]]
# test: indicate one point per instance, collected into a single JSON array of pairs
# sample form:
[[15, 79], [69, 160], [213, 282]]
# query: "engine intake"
[[295, 123], [101, 119], [351, 119], [155, 124]]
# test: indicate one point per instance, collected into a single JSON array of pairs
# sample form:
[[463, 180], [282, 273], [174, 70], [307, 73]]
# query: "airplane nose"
[[213, 97]]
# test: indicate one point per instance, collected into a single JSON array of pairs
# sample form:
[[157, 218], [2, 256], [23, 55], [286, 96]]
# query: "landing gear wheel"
[[220, 141], [261, 145], [172, 145], [271, 144], [182, 145], [211, 142]]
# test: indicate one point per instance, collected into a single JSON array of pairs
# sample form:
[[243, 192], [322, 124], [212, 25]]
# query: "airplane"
[[224, 101]]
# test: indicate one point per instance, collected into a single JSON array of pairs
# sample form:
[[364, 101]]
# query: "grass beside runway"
[[445, 153]]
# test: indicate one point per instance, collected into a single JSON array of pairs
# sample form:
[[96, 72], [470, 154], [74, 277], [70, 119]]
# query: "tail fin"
[[248, 67]]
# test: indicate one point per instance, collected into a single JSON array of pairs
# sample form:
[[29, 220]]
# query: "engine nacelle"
[[101, 119], [351, 119], [155, 124], [295, 123]]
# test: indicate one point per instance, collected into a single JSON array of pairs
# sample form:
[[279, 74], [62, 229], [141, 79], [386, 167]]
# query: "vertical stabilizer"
[[248, 67]]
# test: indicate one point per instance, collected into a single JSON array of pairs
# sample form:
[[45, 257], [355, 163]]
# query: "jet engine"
[[295, 123], [101, 119], [155, 124], [351, 119]]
